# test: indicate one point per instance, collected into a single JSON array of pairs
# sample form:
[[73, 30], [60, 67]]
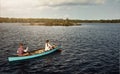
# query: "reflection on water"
[[89, 48]]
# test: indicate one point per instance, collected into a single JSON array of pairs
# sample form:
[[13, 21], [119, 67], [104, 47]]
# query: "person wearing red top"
[[20, 50]]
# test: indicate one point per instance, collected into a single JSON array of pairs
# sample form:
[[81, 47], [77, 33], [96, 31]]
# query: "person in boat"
[[21, 50], [48, 46]]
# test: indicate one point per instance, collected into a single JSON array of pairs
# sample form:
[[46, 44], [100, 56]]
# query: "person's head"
[[47, 41], [21, 44]]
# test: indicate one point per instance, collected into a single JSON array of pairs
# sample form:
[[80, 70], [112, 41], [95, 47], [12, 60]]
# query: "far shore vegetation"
[[54, 22]]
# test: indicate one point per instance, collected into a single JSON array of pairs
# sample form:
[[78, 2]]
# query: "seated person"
[[21, 50], [48, 46]]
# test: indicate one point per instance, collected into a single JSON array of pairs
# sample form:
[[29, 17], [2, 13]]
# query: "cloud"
[[49, 3], [40, 8], [18, 3], [53, 3], [24, 5]]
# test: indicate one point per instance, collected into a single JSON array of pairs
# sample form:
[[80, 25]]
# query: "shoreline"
[[53, 22], [41, 24]]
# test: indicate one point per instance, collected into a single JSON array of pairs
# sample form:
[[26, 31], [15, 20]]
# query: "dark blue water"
[[86, 49]]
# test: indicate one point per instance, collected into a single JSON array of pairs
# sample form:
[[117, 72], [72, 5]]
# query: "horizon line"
[[55, 18]]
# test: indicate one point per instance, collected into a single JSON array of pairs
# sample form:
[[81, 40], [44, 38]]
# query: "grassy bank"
[[53, 22]]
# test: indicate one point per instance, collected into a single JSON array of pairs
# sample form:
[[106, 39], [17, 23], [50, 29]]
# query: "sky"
[[73, 9]]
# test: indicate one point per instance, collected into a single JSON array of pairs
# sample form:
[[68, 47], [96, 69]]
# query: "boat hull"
[[18, 58]]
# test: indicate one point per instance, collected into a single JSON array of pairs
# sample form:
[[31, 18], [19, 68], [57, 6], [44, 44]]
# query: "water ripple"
[[87, 49]]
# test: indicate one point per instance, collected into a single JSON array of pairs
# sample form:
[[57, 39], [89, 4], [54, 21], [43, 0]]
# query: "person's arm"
[[18, 50], [26, 50], [50, 46]]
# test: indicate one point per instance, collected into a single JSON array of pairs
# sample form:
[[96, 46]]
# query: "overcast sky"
[[75, 9]]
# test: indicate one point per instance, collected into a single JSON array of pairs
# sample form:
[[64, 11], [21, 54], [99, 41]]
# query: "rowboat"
[[33, 54]]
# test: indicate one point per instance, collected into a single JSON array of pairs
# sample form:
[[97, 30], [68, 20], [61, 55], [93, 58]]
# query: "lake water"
[[87, 49]]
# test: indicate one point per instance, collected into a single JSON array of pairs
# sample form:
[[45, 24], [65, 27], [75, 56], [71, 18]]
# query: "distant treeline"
[[47, 21]]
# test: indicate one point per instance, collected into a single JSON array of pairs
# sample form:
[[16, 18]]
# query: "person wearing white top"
[[48, 46]]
